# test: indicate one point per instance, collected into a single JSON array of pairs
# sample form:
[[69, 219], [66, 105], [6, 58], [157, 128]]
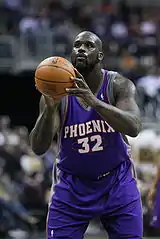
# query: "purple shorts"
[[115, 200]]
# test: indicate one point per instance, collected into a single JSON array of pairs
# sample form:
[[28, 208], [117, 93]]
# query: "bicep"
[[129, 105]]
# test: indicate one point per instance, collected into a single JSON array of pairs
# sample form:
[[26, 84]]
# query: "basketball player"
[[153, 199], [95, 172]]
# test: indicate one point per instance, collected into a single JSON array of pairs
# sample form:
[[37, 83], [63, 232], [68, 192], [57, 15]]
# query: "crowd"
[[25, 181], [130, 35], [131, 40], [129, 32]]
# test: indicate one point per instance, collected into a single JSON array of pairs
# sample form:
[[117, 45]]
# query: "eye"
[[89, 45], [77, 44]]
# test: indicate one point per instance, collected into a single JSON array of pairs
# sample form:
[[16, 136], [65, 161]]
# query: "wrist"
[[94, 102]]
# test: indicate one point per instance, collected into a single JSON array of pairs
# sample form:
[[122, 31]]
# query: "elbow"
[[38, 152], [36, 147], [133, 133], [135, 130]]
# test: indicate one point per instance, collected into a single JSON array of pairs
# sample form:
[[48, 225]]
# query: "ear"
[[100, 56]]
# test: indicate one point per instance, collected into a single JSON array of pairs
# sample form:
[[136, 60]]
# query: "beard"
[[84, 67]]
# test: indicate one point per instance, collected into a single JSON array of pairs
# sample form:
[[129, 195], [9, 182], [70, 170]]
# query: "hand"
[[81, 90], [51, 102]]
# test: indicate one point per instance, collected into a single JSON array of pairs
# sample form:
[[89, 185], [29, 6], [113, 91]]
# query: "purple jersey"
[[85, 188], [89, 146]]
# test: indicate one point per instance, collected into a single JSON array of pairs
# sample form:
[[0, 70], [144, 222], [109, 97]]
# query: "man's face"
[[85, 53]]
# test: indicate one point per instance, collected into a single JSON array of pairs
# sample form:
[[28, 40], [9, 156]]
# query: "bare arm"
[[153, 188], [46, 126], [156, 178], [124, 117]]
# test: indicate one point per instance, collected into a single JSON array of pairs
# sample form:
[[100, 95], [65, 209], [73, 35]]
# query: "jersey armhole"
[[110, 94]]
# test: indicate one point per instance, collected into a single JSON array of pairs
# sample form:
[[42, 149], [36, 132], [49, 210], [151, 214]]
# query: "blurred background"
[[31, 30]]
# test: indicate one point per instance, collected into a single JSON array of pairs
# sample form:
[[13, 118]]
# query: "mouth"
[[81, 58]]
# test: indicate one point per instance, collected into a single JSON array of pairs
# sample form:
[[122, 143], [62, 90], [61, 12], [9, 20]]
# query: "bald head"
[[87, 51], [91, 35]]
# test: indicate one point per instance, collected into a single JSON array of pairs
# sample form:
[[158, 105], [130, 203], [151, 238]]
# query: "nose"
[[81, 49]]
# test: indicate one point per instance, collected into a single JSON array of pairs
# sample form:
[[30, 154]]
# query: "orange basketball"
[[52, 76]]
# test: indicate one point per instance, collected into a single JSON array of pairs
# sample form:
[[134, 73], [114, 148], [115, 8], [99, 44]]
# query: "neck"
[[94, 78]]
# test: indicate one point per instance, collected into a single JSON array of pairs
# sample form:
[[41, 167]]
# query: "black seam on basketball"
[[60, 94], [51, 81], [57, 94], [57, 67]]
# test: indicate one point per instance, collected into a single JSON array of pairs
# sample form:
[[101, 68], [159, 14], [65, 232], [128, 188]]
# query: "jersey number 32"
[[85, 144]]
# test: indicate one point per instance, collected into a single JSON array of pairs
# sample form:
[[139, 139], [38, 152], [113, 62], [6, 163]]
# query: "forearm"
[[156, 179], [121, 121], [43, 131], [155, 183]]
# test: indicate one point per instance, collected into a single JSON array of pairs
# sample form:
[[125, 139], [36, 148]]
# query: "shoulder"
[[118, 79], [119, 87], [122, 85]]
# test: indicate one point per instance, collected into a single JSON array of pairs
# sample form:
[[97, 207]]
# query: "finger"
[[75, 83], [76, 94], [80, 82], [77, 73], [75, 91]]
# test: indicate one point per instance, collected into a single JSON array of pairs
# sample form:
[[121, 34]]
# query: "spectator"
[[149, 87]]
